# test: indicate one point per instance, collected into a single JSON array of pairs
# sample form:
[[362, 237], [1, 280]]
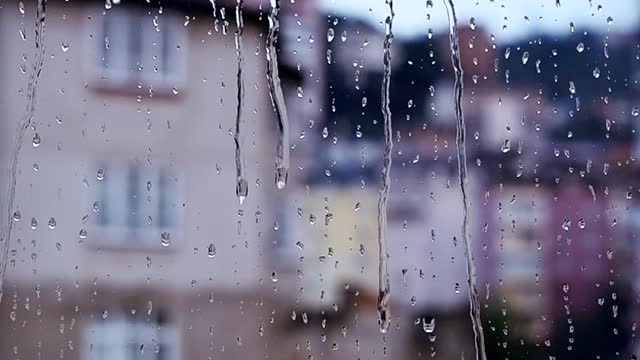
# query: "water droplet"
[[525, 57], [330, 35], [428, 324], [34, 223], [580, 47], [52, 223], [100, 174], [566, 224], [506, 146], [274, 277], [635, 111], [472, 23], [36, 140], [281, 177], [83, 233], [242, 189], [211, 251], [16, 216], [609, 20], [596, 73], [165, 239], [64, 47]]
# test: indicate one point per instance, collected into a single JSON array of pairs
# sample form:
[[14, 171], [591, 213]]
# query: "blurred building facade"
[[124, 248]]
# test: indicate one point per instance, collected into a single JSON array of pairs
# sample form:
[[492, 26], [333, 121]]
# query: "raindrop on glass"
[[211, 251], [165, 239], [428, 324], [36, 140], [52, 223]]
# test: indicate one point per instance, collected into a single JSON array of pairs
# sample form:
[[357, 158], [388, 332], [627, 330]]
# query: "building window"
[[130, 337], [136, 204], [138, 46]]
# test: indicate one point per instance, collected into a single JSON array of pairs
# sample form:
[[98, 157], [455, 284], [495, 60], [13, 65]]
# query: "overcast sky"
[[544, 16]]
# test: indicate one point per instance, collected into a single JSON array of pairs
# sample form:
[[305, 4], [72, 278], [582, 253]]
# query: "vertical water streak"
[[277, 98], [384, 285], [25, 123], [474, 304], [242, 187]]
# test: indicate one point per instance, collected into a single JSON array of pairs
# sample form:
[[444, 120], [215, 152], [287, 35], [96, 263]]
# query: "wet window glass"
[[319, 179]]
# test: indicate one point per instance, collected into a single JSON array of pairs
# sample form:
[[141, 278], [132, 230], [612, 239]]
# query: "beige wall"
[[101, 124]]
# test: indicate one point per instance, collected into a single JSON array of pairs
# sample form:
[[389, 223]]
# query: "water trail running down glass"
[[384, 285], [26, 122], [242, 187], [474, 304], [277, 98]]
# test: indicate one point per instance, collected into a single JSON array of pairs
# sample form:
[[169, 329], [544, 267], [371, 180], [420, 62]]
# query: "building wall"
[[189, 133]]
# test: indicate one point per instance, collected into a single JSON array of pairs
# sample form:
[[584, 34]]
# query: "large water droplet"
[[165, 239], [582, 224], [506, 146], [36, 140], [52, 223], [428, 324], [242, 189], [281, 177], [100, 174], [472, 23], [330, 35]]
